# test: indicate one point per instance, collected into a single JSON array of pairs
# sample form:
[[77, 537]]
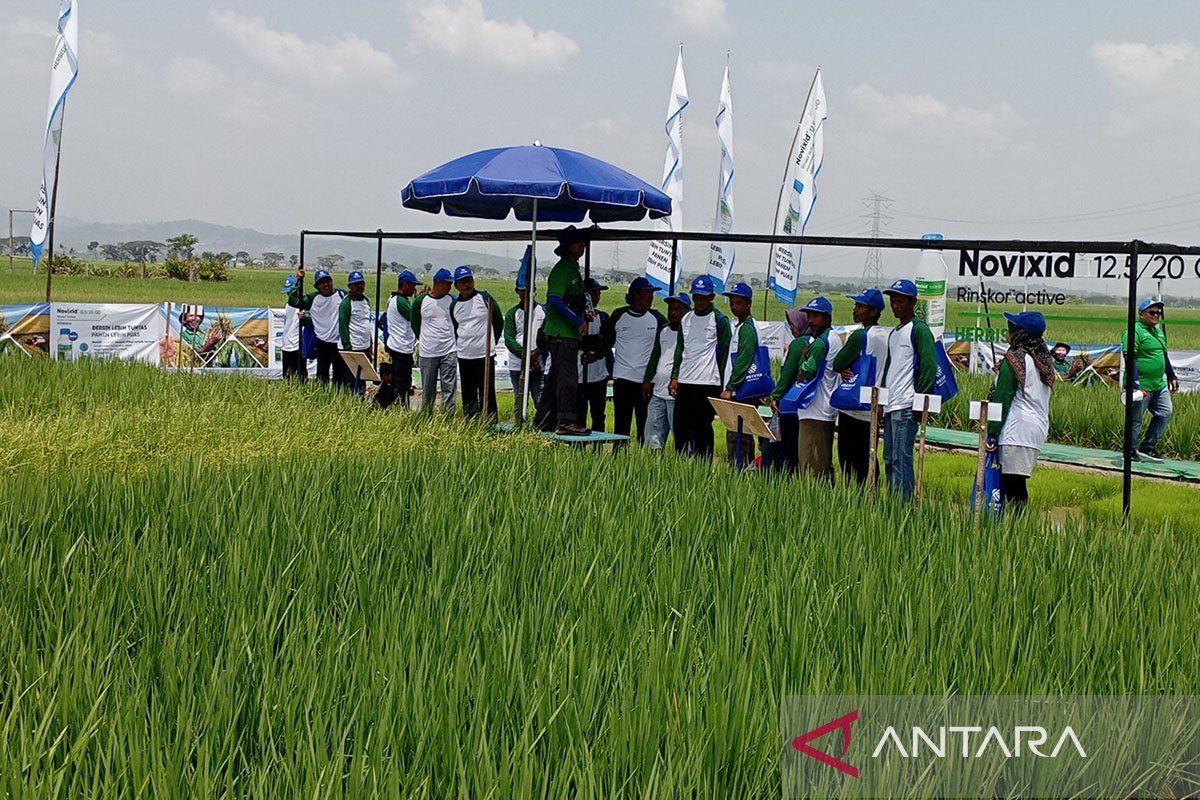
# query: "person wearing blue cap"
[[320, 308], [294, 364], [437, 346], [514, 337], [595, 362], [817, 419], [698, 371], [401, 341], [660, 411], [566, 321], [854, 444], [478, 326], [784, 453], [910, 369], [354, 323], [745, 333], [630, 334], [1022, 388], [1153, 375]]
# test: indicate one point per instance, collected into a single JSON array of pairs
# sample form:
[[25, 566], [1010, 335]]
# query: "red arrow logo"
[[843, 724]]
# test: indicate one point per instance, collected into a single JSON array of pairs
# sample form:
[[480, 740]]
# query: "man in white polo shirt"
[[701, 355], [660, 412], [438, 347], [475, 317], [401, 341], [630, 333], [354, 324], [321, 311], [911, 369]]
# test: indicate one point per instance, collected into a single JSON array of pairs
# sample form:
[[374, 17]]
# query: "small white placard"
[[935, 403], [995, 410], [864, 395]]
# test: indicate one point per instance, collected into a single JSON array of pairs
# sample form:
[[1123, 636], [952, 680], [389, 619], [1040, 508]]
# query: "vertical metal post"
[[54, 201], [10, 240], [378, 284], [1130, 362], [674, 259], [523, 404]]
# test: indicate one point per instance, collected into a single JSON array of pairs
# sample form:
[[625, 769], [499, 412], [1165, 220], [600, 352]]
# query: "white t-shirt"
[[471, 322], [437, 333], [667, 338], [634, 333], [820, 408], [1028, 421], [596, 371], [360, 323], [324, 316], [699, 362], [877, 345], [539, 319], [401, 338], [289, 342], [899, 378]]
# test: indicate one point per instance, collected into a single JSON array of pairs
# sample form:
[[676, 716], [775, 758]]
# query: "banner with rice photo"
[[217, 338], [25, 329], [1085, 364], [126, 331]]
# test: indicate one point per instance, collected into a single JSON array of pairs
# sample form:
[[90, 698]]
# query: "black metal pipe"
[[1130, 362], [378, 284]]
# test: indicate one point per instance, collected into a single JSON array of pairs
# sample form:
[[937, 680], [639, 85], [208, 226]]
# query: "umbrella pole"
[[523, 403], [378, 283]]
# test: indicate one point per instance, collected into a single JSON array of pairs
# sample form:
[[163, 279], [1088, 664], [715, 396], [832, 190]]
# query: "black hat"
[[569, 235]]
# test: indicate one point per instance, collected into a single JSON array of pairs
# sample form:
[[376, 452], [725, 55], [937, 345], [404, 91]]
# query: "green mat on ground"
[[1083, 456]]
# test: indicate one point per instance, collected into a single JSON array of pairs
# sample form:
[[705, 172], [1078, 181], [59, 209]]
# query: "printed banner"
[[211, 337], [128, 331], [721, 255], [1085, 364], [658, 259], [25, 330]]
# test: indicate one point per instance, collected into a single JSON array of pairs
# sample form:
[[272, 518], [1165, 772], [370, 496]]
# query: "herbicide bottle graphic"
[[931, 287], [65, 347]]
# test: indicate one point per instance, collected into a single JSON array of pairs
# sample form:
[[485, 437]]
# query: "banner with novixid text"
[[217, 337], [125, 331], [25, 329]]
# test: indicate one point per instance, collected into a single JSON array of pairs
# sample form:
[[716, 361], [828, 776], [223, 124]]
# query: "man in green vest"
[[567, 318], [1153, 375]]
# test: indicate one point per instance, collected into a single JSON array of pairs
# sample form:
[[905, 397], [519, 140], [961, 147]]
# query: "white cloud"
[[699, 14], [1137, 65], [460, 28], [320, 63], [903, 110], [209, 92]]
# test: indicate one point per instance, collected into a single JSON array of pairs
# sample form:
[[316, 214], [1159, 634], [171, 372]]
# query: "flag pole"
[[54, 199], [787, 170]]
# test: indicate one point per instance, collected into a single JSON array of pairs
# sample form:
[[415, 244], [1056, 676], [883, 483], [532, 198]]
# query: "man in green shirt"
[[784, 454], [567, 317], [817, 418], [854, 427], [745, 336], [1153, 375]]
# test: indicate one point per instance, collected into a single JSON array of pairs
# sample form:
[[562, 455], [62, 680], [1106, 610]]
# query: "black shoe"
[[572, 430], [1151, 455]]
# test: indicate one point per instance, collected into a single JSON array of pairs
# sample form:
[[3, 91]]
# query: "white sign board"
[[127, 331]]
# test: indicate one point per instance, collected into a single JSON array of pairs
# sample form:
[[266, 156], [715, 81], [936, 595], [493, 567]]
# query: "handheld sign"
[[877, 396], [926, 404], [982, 412], [934, 401], [741, 418], [360, 366], [881, 395], [994, 410]]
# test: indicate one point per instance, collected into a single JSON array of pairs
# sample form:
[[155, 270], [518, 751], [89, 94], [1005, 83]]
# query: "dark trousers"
[[329, 363], [629, 404], [471, 370], [693, 419], [402, 369], [294, 365], [784, 455], [854, 448], [561, 389], [593, 397], [1015, 490]]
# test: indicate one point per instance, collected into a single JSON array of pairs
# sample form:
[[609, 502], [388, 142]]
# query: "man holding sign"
[[745, 335], [911, 369]]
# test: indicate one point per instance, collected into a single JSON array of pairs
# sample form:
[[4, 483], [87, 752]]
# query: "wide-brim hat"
[[567, 236]]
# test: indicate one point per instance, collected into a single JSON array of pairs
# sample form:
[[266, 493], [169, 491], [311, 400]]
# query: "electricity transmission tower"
[[877, 220]]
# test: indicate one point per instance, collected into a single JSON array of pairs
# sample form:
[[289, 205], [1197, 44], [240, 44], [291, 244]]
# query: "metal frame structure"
[[1133, 250]]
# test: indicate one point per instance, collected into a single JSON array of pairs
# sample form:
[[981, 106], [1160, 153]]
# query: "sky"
[[1016, 119]]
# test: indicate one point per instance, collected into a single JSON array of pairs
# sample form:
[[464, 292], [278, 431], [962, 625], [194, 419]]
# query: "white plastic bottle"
[[931, 288], [65, 348]]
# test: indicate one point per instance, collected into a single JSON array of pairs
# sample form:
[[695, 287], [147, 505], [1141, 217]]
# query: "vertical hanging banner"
[[721, 255], [64, 69], [658, 261], [805, 159]]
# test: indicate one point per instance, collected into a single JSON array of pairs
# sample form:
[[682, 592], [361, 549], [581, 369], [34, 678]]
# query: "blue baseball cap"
[[592, 283], [640, 284], [463, 272], [872, 298], [819, 305], [679, 297], [903, 287], [289, 283], [1148, 303], [407, 276], [1028, 321], [321, 275], [703, 285], [355, 277], [443, 274], [739, 289]]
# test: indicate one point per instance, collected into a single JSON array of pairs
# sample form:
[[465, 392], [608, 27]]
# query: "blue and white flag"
[[63, 72], [805, 159], [658, 261], [721, 255]]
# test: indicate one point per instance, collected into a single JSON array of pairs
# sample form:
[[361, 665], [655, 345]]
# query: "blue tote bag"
[[759, 382], [993, 498], [945, 385], [802, 393], [845, 396]]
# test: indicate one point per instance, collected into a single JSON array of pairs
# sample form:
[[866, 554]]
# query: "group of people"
[[664, 368]]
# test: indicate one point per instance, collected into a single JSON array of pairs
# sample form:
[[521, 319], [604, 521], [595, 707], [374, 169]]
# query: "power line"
[[878, 219], [1149, 206]]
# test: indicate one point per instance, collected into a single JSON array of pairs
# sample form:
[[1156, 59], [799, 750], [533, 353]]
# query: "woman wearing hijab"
[[1022, 387], [784, 454]]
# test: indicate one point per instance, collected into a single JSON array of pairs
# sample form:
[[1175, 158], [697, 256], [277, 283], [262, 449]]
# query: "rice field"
[[224, 588]]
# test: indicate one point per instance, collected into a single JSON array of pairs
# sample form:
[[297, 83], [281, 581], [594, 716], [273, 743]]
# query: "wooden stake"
[[983, 429], [921, 449], [872, 468]]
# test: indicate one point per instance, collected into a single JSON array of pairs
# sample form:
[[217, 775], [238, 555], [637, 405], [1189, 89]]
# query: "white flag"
[[721, 255], [808, 152], [62, 76], [658, 261]]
